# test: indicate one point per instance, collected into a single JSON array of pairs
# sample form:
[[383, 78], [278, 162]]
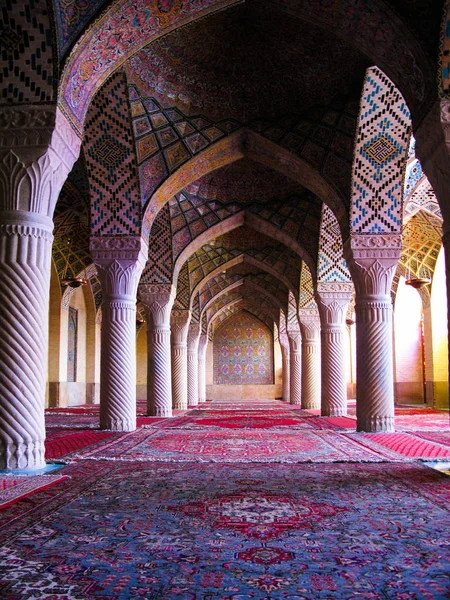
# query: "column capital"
[[295, 340], [38, 149], [179, 323], [194, 333], [283, 339], [202, 342], [119, 261], [158, 298]]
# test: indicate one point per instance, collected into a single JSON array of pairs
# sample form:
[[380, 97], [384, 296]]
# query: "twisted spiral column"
[[372, 261], [25, 252], [158, 300], [333, 302], [202, 345], [295, 363], [179, 324], [119, 262], [311, 375], [192, 363], [286, 381]]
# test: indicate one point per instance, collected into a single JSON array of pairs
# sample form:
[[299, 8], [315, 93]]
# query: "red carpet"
[[407, 445], [60, 443], [16, 487]]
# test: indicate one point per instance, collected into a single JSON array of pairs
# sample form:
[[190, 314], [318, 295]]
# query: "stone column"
[[158, 300], [119, 261], [284, 344], [311, 376], [192, 350], [332, 300], [295, 361], [37, 150], [179, 325], [202, 345], [372, 260]]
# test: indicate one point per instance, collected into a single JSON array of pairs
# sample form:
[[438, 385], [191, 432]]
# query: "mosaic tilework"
[[444, 57], [243, 352], [243, 305], [306, 299], [28, 72], [71, 17], [198, 207], [417, 192], [331, 264], [380, 154], [111, 162], [72, 337], [214, 286], [70, 250], [413, 175], [422, 241], [292, 313], [159, 263], [206, 260], [183, 296], [272, 285], [221, 301], [195, 311]]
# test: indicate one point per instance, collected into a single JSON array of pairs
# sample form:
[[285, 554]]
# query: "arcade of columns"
[[39, 147]]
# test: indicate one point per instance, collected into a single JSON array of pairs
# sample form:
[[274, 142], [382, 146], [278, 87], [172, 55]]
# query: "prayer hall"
[[224, 282]]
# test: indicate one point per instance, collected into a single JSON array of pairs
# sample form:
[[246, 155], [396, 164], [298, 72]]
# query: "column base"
[[333, 412], [375, 424], [294, 403], [117, 424], [160, 412], [311, 405], [180, 407], [23, 455]]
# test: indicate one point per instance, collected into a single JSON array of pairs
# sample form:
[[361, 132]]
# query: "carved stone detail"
[[310, 328], [119, 272], [285, 357], [295, 364], [38, 149], [179, 325], [202, 346], [25, 251], [333, 309], [192, 361], [158, 300]]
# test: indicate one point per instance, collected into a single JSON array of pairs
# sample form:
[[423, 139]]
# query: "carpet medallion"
[[235, 532], [237, 446]]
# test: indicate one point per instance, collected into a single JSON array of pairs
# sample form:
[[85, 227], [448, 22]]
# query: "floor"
[[234, 500]]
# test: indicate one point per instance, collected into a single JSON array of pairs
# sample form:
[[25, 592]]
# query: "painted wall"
[[243, 352], [408, 377], [439, 334], [141, 363]]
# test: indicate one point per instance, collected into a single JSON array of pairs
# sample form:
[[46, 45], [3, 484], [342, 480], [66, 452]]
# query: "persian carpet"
[[16, 487], [237, 446], [63, 442], [405, 444], [233, 532]]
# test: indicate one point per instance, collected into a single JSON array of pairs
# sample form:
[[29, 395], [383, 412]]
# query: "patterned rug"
[[404, 444], [61, 442], [17, 487], [237, 446], [232, 532]]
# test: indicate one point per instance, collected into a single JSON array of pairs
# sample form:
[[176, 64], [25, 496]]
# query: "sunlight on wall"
[[408, 375], [141, 363], [439, 329]]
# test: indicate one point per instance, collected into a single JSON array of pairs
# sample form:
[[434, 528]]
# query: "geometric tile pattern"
[[417, 192], [306, 299], [195, 312], [236, 308], [111, 162], [214, 286], [183, 289], [71, 18], [292, 316], [380, 153], [28, 72], [242, 350], [158, 268], [422, 241], [222, 301], [331, 266], [198, 207], [239, 242]]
